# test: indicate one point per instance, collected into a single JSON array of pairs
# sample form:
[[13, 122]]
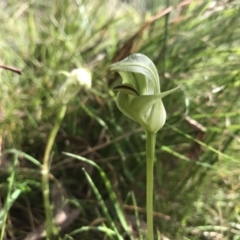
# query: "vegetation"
[[97, 163]]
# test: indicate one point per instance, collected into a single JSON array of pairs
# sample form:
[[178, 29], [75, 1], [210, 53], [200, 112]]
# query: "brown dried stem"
[[10, 68]]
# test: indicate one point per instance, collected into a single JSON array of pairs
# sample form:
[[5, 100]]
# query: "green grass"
[[197, 169]]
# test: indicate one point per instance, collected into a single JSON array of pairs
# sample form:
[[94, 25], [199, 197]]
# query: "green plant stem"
[[150, 154], [49, 224]]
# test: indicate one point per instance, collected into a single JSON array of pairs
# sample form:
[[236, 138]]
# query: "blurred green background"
[[194, 44]]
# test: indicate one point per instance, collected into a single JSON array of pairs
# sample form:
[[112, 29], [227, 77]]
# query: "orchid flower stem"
[[49, 224], [150, 154]]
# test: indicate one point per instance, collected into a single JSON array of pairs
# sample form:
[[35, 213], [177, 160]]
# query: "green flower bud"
[[139, 96], [76, 79]]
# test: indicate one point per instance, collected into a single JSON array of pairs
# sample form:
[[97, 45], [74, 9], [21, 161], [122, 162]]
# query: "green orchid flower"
[[139, 96]]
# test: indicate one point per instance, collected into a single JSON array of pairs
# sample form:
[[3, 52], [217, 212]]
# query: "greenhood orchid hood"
[[139, 96]]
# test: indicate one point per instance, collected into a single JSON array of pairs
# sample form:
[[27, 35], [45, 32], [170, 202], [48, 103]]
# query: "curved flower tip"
[[76, 79], [139, 96]]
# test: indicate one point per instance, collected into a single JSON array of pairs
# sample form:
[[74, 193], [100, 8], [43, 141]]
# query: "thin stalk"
[[49, 225], [150, 154]]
